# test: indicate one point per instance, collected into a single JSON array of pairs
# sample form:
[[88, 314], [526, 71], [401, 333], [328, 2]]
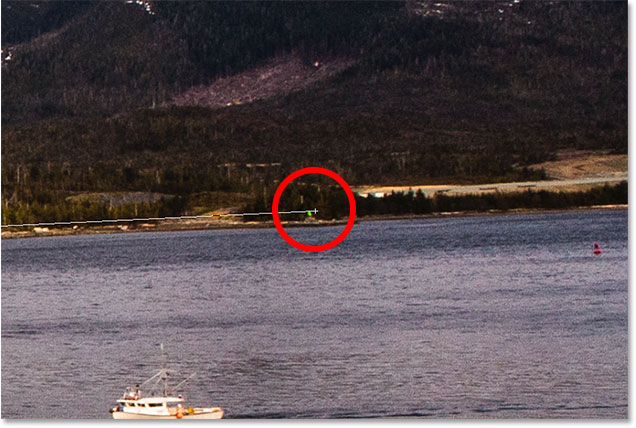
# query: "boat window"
[[154, 404], [130, 404], [140, 405]]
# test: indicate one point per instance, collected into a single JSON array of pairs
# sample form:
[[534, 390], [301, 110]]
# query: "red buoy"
[[597, 249]]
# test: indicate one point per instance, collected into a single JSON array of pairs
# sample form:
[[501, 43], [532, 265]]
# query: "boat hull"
[[213, 413]]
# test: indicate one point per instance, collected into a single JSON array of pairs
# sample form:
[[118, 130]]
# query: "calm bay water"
[[503, 316]]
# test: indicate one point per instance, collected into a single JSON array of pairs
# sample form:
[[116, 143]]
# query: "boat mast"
[[164, 371]]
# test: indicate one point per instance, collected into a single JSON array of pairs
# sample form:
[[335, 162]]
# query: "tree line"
[[329, 200]]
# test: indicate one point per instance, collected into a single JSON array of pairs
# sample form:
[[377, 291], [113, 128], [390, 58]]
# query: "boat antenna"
[[164, 371]]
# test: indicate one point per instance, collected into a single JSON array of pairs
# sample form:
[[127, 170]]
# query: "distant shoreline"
[[223, 225], [515, 211]]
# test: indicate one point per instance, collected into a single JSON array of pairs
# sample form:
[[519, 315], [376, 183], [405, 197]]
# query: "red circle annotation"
[[352, 209]]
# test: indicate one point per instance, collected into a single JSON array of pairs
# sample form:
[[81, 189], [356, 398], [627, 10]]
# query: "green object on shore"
[[309, 213]]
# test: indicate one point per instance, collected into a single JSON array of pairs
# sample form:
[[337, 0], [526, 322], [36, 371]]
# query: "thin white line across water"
[[128, 220]]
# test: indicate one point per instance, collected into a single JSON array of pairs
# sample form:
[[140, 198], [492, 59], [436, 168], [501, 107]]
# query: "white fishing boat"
[[158, 403]]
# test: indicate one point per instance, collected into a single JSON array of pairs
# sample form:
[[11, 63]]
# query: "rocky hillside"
[[281, 75]]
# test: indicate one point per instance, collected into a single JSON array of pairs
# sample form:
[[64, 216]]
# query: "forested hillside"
[[460, 91], [119, 55]]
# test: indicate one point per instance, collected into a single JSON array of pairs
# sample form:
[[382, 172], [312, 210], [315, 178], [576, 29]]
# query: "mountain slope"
[[428, 92], [115, 56]]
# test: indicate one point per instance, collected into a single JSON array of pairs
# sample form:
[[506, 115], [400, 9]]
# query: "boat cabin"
[[151, 405]]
